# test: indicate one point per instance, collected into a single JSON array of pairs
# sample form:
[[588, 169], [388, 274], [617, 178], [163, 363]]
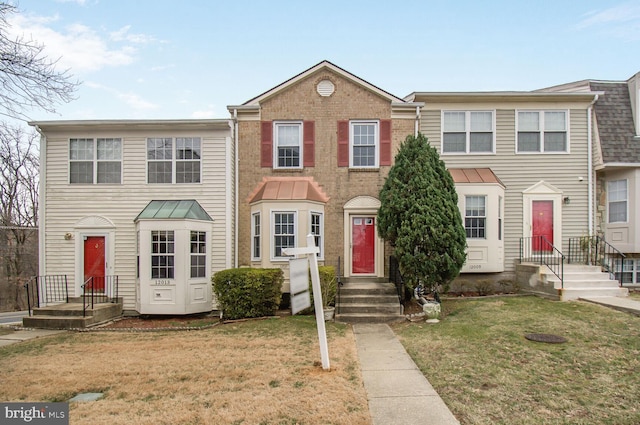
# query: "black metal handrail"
[[99, 289], [42, 290], [538, 250], [594, 251], [338, 286], [395, 276]]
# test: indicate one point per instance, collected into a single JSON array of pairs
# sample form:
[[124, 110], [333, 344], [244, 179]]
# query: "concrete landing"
[[398, 393], [627, 305]]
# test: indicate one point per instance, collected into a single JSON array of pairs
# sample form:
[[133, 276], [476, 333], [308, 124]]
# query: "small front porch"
[[51, 307]]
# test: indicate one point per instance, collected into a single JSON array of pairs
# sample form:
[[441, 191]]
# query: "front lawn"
[[254, 372], [478, 360]]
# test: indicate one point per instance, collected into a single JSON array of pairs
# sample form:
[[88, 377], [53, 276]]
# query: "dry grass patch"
[[478, 360], [258, 372]]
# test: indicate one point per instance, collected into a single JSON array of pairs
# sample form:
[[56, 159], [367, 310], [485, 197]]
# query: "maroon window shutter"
[[385, 142], [343, 143], [308, 140], [266, 144]]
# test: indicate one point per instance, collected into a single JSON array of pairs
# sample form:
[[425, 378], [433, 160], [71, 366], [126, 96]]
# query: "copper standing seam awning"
[[288, 189]]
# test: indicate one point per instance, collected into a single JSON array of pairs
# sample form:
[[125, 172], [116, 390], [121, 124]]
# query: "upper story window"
[[467, 132], [617, 201], [542, 131], [288, 144], [475, 216], [95, 161], [364, 144], [166, 166]]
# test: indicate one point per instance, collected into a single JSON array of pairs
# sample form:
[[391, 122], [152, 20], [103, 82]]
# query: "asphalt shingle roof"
[[615, 123]]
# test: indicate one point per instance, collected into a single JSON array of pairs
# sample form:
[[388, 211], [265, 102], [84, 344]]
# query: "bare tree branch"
[[28, 79]]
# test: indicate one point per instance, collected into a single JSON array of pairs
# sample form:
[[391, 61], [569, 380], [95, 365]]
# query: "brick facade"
[[301, 101]]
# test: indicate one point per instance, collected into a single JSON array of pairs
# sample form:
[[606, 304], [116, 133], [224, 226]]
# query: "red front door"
[[94, 261], [542, 225], [363, 245]]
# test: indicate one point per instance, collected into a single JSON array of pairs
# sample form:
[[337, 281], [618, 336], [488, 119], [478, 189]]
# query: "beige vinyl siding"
[[521, 171], [66, 203]]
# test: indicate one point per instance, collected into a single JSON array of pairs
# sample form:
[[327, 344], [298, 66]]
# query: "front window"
[[198, 254], [542, 131], [288, 145], [317, 230], [255, 236], [617, 201], [475, 217], [187, 160], [467, 132], [95, 161], [165, 166], [162, 254], [284, 232], [627, 271], [364, 144]]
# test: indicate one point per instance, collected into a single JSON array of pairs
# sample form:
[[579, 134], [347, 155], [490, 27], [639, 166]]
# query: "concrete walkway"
[[627, 305], [397, 391], [26, 334]]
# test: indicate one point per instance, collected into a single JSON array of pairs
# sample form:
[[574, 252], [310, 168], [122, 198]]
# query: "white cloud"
[[78, 47], [123, 35], [209, 113], [135, 101], [622, 21]]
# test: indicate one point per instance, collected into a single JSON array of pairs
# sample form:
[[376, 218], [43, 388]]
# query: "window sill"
[[364, 170]]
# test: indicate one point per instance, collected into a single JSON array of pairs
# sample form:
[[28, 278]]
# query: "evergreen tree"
[[419, 216]]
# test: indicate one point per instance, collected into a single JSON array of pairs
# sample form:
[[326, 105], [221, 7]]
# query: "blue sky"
[[148, 59]]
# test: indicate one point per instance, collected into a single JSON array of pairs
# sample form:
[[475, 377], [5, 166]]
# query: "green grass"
[[478, 360]]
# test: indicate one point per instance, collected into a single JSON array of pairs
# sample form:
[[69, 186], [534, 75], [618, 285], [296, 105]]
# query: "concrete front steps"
[[582, 281], [368, 301], [69, 315]]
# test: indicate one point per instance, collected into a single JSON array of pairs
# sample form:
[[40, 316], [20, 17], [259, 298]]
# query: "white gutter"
[[590, 166], [42, 204], [417, 124], [235, 219]]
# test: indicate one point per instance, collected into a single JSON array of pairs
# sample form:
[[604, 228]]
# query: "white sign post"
[[310, 251]]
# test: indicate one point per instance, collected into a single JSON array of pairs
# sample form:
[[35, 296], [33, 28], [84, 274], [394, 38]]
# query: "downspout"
[[590, 166], [42, 202], [417, 124], [236, 163]]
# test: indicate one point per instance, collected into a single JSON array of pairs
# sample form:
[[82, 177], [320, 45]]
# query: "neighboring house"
[[149, 201], [532, 149], [616, 159]]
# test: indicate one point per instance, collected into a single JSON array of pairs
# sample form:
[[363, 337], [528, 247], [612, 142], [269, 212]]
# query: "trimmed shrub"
[[247, 292], [328, 286]]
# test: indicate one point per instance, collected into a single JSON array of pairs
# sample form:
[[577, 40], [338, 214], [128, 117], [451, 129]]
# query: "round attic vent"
[[325, 88]]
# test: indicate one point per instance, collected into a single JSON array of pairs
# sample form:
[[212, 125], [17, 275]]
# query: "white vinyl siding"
[[66, 204], [519, 172]]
